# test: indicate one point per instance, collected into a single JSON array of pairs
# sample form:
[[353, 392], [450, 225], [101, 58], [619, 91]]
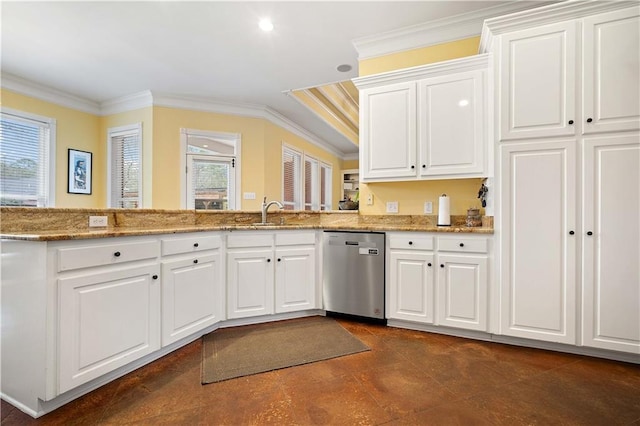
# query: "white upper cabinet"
[[569, 69], [425, 122], [451, 124], [537, 89], [388, 131], [611, 71]]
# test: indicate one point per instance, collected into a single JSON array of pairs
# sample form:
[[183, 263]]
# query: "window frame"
[[298, 185], [231, 139], [318, 168], [122, 131], [50, 156]]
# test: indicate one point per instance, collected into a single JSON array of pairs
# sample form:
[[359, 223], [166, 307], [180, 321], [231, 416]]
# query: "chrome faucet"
[[265, 207]]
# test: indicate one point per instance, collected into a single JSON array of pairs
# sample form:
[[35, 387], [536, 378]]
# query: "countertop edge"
[[111, 232]]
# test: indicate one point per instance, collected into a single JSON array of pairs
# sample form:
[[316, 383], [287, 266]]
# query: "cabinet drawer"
[[295, 238], [108, 254], [463, 245], [411, 241], [190, 244], [249, 239]]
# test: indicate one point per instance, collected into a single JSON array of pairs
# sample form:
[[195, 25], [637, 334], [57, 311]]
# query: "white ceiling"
[[209, 49]]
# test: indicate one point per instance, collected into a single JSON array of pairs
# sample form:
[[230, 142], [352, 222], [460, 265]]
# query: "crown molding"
[[430, 33], [126, 103], [244, 110], [549, 14], [468, 63], [147, 98], [352, 156], [49, 94]]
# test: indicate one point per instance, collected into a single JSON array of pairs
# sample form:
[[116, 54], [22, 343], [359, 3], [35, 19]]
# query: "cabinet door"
[[411, 286], [537, 82], [295, 279], [451, 136], [250, 283], [611, 312], [538, 276], [611, 76], [107, 320], [462, 291], [388, 131], [191, 296]]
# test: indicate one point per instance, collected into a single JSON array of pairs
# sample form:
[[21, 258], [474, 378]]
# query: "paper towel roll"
[[444, 215]]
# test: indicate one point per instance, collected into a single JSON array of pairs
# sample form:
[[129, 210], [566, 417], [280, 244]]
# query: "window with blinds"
[[212, 169], [325, 186], [125, 169], [211, 182], [27, 168], [311, 184], [291, 179], [306, 182]]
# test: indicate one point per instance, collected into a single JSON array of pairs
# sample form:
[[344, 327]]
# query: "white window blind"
[[311, 184], [291, 179], [27, 170], [211, 182], [325, 186], [125, 145]]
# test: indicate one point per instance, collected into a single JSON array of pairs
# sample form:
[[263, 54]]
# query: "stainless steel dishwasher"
[[353, 273]]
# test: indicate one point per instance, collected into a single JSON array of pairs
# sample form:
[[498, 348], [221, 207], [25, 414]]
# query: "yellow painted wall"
[[412, 195], [74, 129], [421, 56], [167, 123], [144, 116], [350, 164]]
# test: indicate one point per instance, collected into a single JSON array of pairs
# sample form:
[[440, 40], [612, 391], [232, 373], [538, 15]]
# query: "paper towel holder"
[[444, 215]]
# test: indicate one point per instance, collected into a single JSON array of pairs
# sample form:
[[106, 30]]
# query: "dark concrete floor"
[[408, 378]]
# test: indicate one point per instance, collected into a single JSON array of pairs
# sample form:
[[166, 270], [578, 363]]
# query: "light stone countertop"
[[37, 224]]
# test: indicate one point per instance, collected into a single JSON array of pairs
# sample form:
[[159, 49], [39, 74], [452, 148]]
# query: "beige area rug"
[[240, 351]]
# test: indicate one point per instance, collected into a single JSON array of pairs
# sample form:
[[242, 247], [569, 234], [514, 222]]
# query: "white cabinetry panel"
[[191, 295], [250, 283], [537, 82], [388, 131], [462, 291], [106, 321], [611, 233], [451, 131], [295, 279], [411, 289], [538, 251], [611, 71]]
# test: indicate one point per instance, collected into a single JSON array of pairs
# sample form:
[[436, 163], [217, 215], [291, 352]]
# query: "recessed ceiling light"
[[266, 25], [344, 68]]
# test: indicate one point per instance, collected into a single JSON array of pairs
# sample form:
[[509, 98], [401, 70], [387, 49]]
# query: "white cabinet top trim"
[[558, 12], [469, 63]]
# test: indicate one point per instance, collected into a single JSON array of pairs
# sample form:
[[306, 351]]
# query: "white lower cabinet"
[[249, 282], [106, 321], [271, 273], [192, 285], [455, 296], [295, 287], [410, 289], [462, 291]]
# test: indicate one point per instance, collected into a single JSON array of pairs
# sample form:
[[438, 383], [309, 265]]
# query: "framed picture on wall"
[[79, 172]]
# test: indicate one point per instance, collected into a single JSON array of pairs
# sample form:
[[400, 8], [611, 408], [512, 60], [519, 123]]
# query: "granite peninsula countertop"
[[38, 224]]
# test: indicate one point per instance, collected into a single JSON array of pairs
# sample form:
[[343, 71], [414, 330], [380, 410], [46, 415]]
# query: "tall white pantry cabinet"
[[568, 161]]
